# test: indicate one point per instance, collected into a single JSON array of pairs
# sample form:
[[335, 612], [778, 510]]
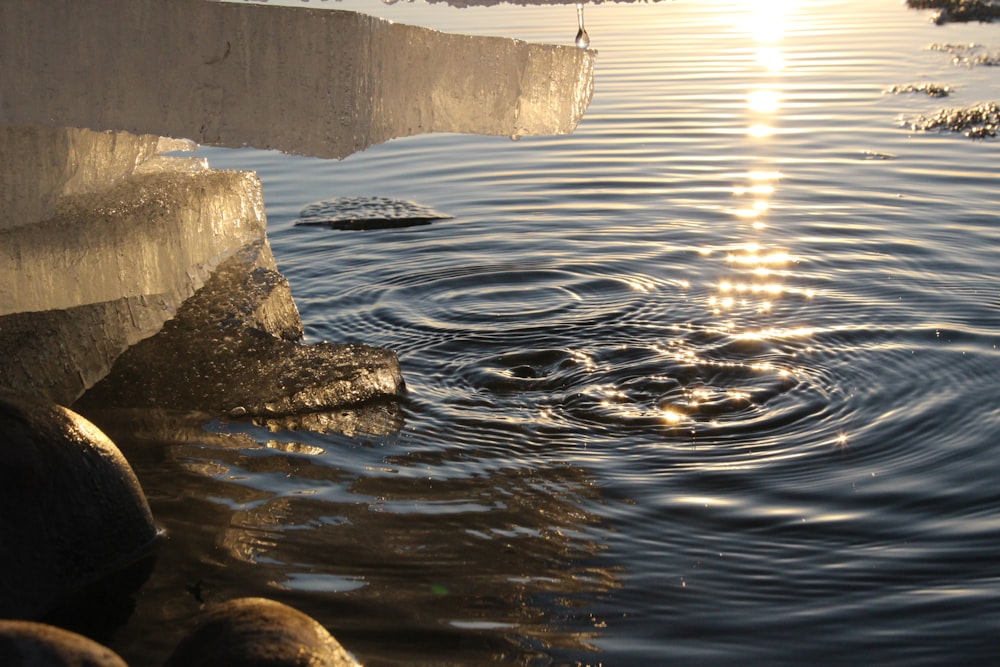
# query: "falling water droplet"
[[582, 38]]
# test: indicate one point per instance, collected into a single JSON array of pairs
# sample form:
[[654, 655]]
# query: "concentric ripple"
[[483, 298], [701, 383]]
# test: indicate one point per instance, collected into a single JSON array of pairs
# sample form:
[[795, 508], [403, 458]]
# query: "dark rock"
[[959, 11], [256, 632], [367, 213], [73, 511], [28, 644]]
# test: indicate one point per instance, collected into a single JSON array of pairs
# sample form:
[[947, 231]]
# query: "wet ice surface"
[[367, 213]]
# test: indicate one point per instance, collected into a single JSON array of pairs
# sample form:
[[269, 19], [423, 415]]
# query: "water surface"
[[711, 379]]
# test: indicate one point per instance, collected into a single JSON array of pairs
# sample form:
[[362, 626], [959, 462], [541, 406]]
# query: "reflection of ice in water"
[[582, 38]]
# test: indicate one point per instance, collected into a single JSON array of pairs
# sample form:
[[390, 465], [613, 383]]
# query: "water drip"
[[582, 38]]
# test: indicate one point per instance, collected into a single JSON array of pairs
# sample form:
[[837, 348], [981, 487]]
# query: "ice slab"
[[44, 164], [145, 235], [110, 268], [317, 82]]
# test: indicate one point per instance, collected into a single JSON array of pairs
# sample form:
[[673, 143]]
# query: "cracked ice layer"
[[316, 82]]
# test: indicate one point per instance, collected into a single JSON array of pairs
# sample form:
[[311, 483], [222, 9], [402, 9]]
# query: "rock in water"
[[27, 644], [257, 631], [73, 511], [367, 213]]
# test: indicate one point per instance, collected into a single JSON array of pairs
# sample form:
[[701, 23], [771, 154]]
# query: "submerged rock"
[[256, 632], [28, 644], [969, 55], [73, 510], [367, 213], [232, 349]]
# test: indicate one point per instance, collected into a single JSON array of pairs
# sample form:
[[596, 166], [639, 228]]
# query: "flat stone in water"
[[367, 213]]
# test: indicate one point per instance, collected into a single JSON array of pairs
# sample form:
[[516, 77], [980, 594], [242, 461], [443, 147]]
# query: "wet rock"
[[367, 213], [232, 350], [958, 11], [977, 122], [969, 55], [28, 644], [256, 632], [73, 511], [931, 89]]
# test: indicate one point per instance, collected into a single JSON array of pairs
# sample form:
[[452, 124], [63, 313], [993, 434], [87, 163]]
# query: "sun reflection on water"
[[736, 382]]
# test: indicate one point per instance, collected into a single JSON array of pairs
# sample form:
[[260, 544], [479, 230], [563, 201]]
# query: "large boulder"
[[28, 644], [256, 632], [73, 510]]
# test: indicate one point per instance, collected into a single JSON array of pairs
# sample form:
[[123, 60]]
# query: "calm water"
[[712, 379]]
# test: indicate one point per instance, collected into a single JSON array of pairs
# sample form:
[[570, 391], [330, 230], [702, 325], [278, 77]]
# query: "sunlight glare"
[[771, 58], [764, 101], [672, 416], [767, 19]]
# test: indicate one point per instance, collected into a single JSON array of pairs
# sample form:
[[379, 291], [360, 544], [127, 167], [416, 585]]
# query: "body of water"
[[712, 380]]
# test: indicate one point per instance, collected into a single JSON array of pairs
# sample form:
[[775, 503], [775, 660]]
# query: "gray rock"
[[73, 510], [256, 632], [28, 644]]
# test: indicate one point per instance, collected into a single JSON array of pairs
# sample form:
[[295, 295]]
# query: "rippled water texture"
[[710, 381]]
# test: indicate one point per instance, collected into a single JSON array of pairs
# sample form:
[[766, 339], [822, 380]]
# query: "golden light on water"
[[764, 101], [770, 58], [766, 20], [776, 333], [747, 294], [671, 416], [751, 258]]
